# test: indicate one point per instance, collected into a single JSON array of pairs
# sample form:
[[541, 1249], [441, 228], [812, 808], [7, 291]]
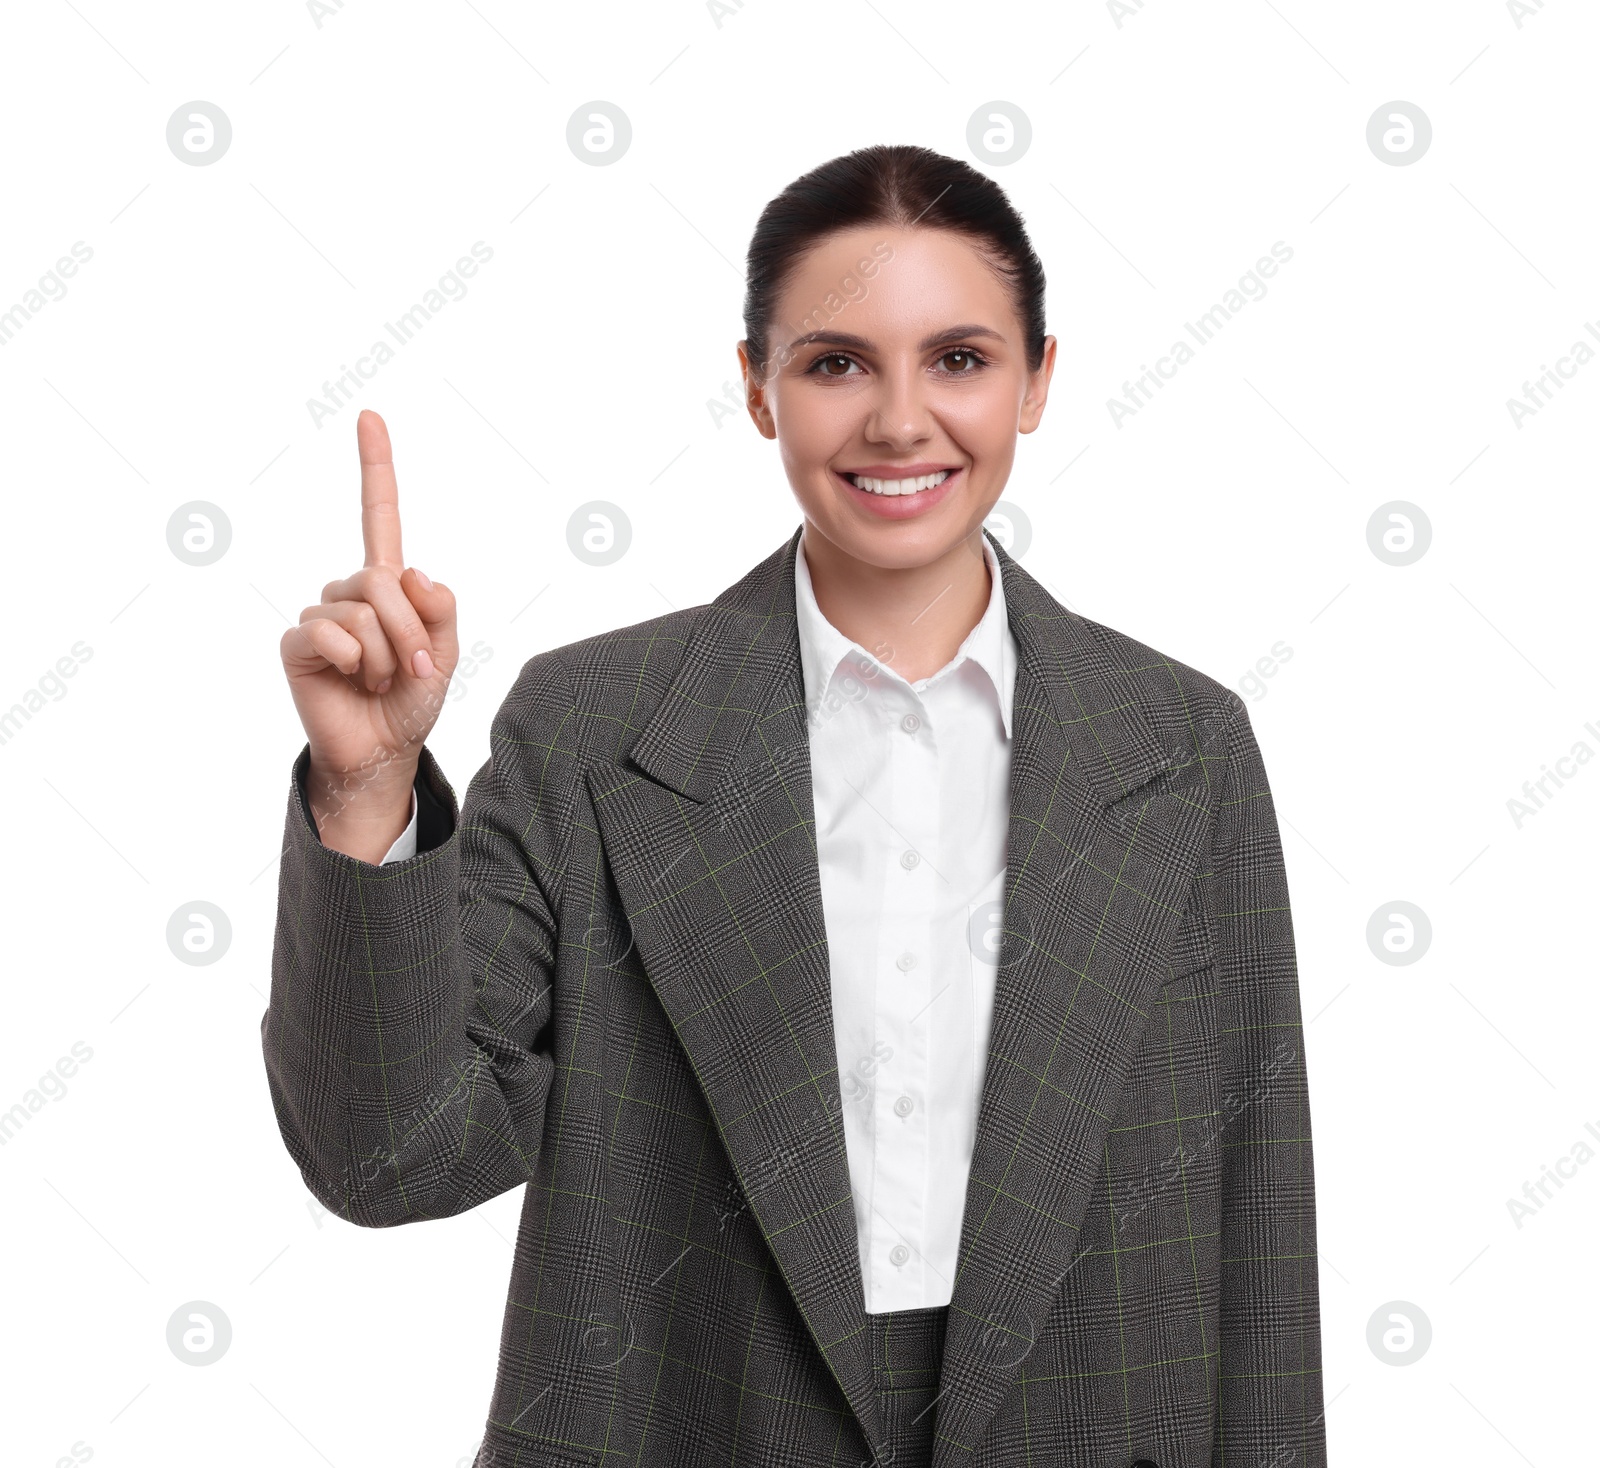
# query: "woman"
[[882, 976]]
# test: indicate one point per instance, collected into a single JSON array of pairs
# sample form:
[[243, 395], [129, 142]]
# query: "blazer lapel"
[[1108, 824], [713, 850]]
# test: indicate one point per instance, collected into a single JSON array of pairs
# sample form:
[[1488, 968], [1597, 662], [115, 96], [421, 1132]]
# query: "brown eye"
[[834, 358], [969, 360]]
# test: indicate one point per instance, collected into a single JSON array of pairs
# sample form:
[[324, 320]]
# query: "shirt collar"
[[823, 647]]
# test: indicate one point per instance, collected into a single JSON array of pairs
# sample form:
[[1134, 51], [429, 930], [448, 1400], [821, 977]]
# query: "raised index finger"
[[380, 495]]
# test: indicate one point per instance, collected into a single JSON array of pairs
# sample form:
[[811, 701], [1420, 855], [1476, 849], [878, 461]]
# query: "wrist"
[[370, 796]]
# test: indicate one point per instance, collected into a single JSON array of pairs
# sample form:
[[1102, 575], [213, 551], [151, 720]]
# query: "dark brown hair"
[[898, 185]]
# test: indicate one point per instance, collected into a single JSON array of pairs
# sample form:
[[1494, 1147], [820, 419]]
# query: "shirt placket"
[[906, 975]]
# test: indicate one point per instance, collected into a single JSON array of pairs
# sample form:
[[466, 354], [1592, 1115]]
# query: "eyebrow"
[[861, 344]]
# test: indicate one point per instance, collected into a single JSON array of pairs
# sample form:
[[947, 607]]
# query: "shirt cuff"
[[405, 844]]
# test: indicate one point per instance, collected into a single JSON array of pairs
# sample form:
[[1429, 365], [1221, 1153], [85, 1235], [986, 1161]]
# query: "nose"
[[899, 415]]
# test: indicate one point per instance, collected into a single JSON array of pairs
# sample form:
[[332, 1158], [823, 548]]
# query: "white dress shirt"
[[910, 795]]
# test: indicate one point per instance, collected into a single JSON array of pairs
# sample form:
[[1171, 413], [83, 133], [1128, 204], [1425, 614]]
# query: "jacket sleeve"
[[1270, 1394], [407, 1034]]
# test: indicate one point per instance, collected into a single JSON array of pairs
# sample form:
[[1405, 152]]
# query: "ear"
[[755, 394], [1033, 399]]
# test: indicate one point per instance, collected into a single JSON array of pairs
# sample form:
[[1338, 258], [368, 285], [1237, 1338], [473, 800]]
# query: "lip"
[[899, 506], [899, 471]]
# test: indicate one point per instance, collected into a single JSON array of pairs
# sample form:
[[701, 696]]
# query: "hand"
[[368, 668]]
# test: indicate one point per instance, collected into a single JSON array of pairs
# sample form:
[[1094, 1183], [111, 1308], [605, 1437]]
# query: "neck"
[[911, 618]]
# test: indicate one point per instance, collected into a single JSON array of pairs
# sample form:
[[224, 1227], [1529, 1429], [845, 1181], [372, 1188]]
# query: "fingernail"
[[421, 663], [384, 686], [422, 576]]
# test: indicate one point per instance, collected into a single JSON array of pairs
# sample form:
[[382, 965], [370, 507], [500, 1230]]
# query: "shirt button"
[[909, 859], [906, 962], [904, 1106], [911, 723], [899, 1254]]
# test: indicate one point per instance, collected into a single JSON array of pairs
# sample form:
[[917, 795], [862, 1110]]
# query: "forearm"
[[405, 1035]]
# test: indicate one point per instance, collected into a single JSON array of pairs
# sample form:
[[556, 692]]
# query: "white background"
[[1169, 153]]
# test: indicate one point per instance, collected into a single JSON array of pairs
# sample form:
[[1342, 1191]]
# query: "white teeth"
[[899, 486]]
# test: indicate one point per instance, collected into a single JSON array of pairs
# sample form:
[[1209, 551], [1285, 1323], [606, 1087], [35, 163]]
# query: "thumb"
[[436, 605]]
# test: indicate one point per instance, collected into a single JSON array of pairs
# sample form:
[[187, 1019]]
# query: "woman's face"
[[896, 362]]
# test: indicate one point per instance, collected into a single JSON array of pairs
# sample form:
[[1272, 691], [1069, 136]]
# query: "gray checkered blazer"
[[608, 980]]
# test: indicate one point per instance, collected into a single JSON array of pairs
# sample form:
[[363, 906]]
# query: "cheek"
[[813, 425], [983, 420]]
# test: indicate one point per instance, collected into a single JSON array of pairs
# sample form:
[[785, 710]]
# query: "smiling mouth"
[[899, 486]]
